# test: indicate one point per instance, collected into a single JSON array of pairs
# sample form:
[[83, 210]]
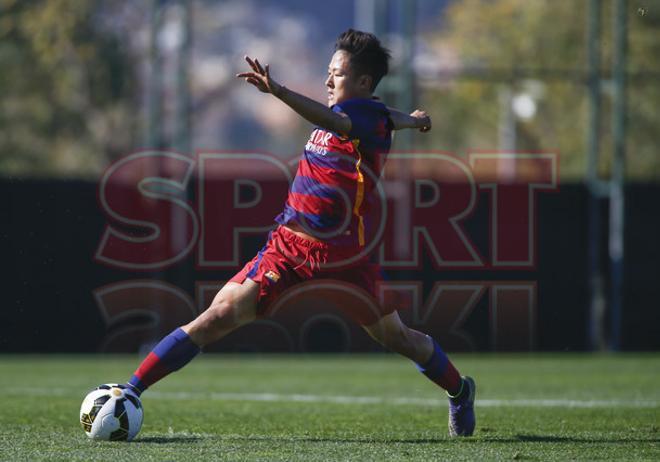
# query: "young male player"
[[318, 232]]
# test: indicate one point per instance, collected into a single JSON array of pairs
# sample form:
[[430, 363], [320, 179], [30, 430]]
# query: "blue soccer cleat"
[[461, 410]]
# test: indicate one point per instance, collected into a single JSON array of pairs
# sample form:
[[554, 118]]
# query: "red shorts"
[[288, 259]]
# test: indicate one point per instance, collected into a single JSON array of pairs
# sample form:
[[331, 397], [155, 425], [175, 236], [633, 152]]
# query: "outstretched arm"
[[317, 113], [313, 111], [417, 119]]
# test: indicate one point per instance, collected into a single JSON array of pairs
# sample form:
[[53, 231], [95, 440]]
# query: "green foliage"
[[518, 44], [66, 89]]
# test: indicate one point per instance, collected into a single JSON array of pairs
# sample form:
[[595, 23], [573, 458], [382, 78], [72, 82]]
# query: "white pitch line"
[[348, 399], [341, 399]]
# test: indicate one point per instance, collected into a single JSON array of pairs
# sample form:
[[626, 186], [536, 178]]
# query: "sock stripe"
[[174, 350], [437, 364], [171, 354], [137, 385], [440, 370], [151, 370]]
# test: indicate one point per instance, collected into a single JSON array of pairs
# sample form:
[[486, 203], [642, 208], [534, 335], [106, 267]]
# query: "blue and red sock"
[[441, 371], [172, 353]]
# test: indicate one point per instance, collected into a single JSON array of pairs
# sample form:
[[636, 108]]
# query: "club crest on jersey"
[[272, 276]]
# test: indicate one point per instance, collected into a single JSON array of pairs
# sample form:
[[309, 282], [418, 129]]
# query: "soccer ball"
[[111, 412]]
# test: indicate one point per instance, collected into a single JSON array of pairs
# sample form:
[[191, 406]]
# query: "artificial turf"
[[368, 407]]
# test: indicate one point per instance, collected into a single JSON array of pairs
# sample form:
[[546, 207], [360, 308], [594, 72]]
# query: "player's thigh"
[[237, 300], [233, 306]]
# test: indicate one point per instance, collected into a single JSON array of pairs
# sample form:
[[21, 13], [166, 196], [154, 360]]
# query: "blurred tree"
[[538, 49], [66, 90]]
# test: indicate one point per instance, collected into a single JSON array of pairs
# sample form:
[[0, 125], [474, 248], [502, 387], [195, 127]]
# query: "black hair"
[[368, 56]]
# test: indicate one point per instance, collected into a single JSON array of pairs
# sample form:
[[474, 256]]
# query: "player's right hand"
[[260, 77]]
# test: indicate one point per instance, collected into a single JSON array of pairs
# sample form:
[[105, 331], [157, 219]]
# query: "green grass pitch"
[[378, 407]]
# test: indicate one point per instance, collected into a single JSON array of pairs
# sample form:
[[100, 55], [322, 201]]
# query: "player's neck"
[[356, 96]]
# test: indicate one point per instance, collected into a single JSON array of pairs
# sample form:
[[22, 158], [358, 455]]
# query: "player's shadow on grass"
[[478, 439], [522, 438], [572, 439], [169, 439], [370, 440]]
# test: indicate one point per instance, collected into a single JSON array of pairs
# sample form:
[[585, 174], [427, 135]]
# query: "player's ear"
[[365, 82]]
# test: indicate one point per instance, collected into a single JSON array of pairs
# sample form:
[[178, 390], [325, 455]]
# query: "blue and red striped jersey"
[[333, 189]]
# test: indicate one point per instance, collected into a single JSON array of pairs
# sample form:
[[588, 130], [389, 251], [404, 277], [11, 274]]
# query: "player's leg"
[[382, 322], [394, 335], [233, 306]]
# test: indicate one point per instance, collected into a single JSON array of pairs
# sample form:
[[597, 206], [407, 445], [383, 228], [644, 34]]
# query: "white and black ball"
[[111, 412]]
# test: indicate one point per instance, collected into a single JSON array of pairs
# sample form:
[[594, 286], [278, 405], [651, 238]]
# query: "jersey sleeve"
[[365, 116]]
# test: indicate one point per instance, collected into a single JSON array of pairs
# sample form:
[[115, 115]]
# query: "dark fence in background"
[[56, 298]]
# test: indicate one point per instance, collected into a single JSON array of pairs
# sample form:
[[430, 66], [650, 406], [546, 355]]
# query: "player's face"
[[342, 83]]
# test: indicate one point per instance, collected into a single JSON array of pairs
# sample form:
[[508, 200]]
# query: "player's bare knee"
[[398, 341]]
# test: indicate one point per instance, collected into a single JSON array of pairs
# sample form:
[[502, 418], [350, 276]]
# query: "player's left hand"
[[260, 77], [422, 119]]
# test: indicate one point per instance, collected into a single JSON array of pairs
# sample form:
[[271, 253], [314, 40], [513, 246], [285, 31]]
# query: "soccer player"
[[318, 234]]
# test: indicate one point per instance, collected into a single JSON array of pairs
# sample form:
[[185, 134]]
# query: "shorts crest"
[[272, 275]]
